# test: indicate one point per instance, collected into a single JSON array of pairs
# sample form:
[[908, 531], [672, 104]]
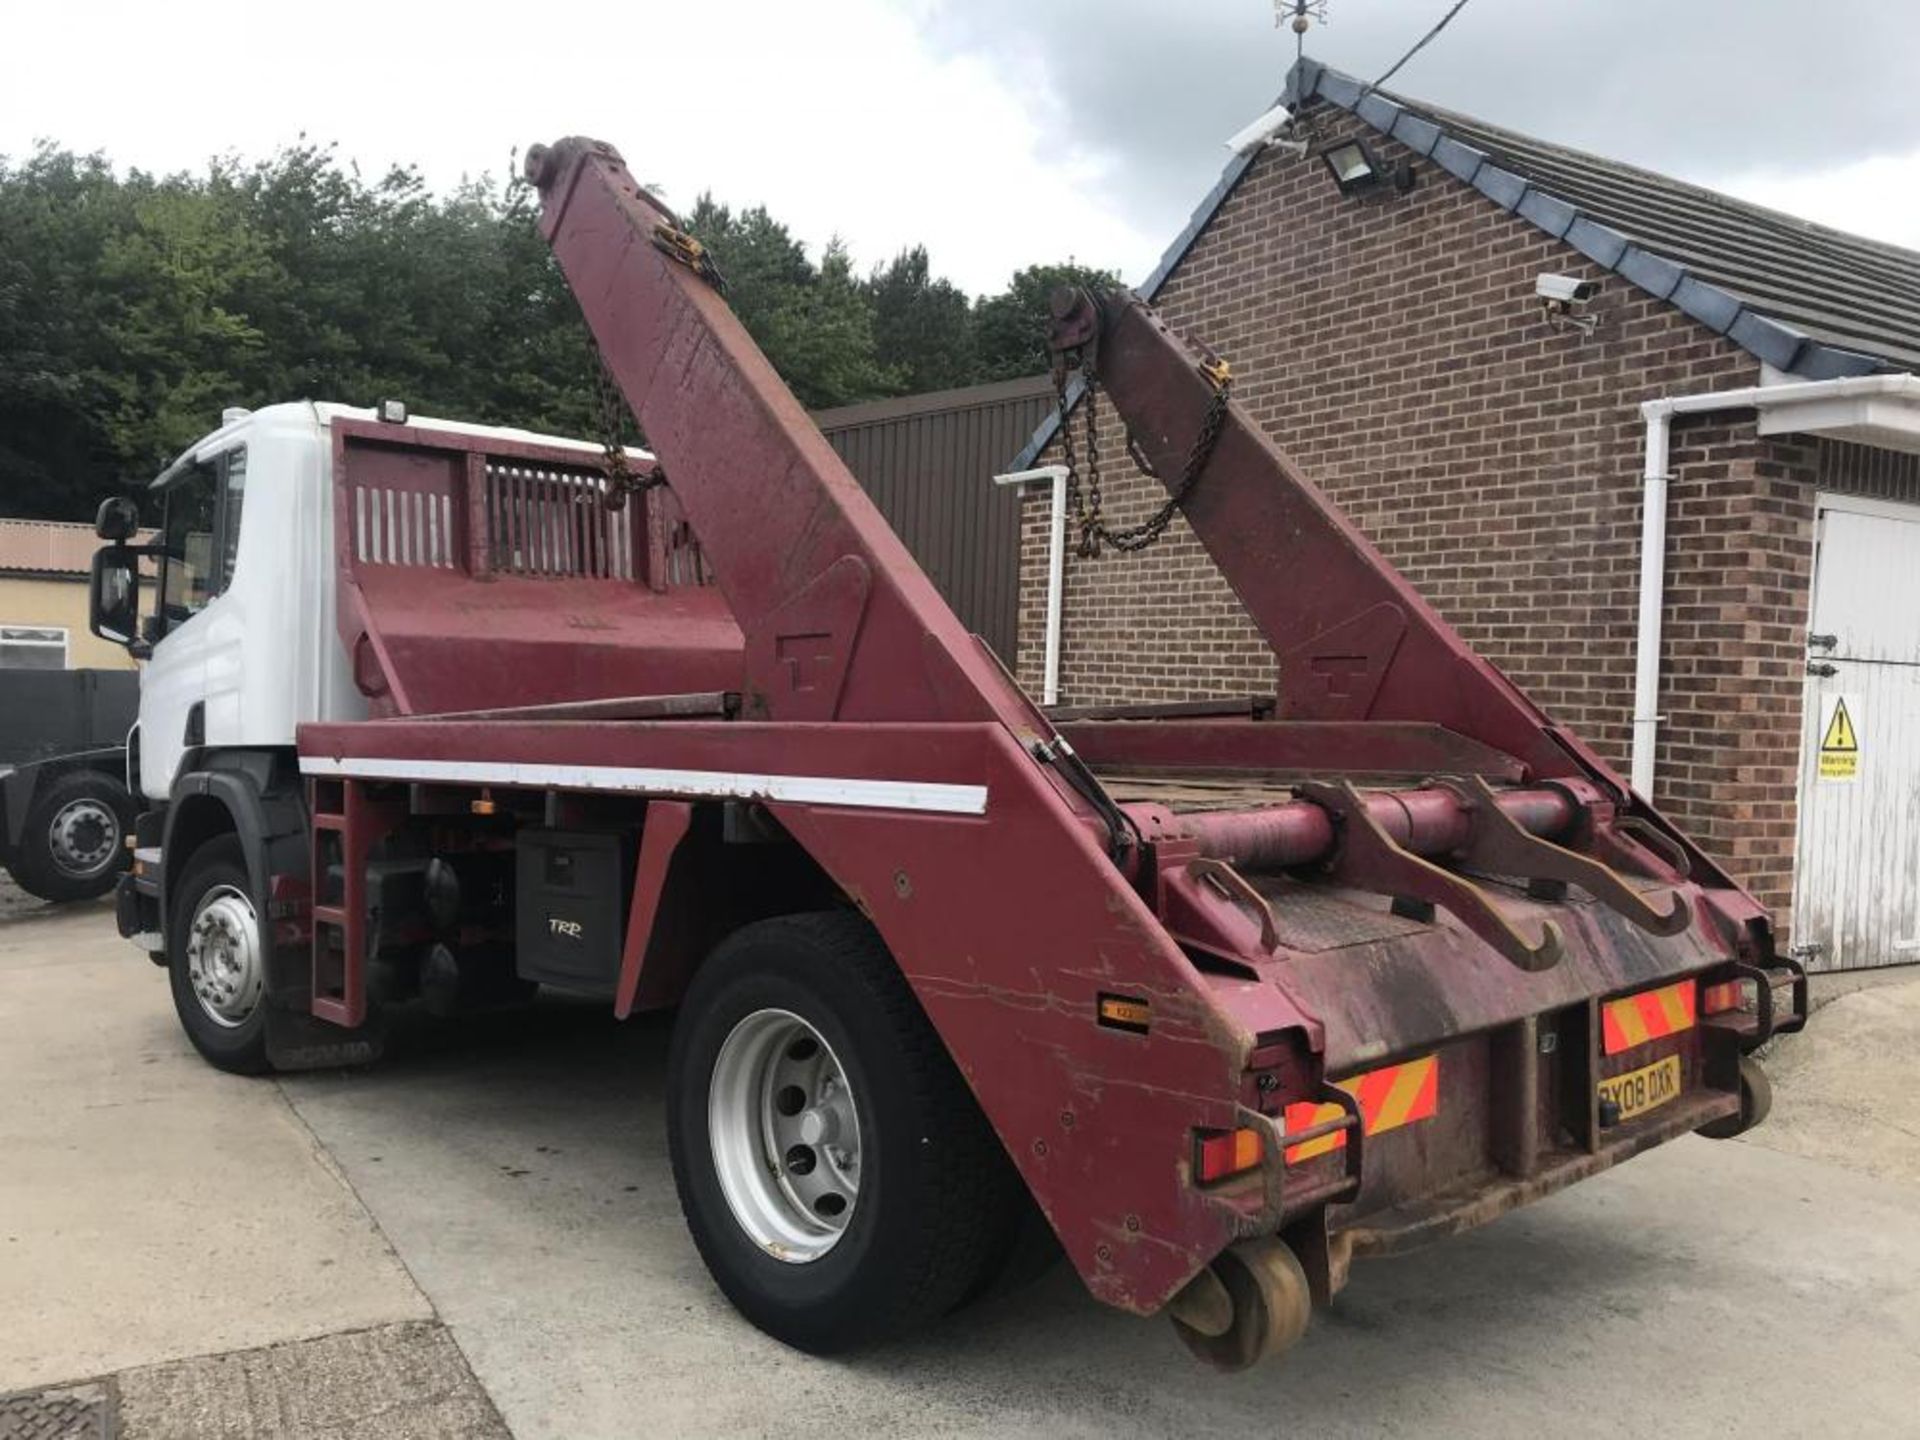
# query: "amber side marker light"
[[1718, 999], [1222, 1154], [1124, 1012]]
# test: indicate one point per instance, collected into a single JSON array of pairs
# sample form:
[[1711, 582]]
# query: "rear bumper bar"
[[1471, 1204]]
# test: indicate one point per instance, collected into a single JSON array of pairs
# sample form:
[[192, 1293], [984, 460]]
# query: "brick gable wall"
[[1394, 347]]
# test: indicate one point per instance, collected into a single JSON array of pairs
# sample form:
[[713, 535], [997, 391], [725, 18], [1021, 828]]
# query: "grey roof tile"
[[1709, 304], [1342, 90], [1655, 274], [1418, 135], [1548, 211], [1503, 187], [1599, 243], [1457, 158], [1778, 345], [1378, 111]]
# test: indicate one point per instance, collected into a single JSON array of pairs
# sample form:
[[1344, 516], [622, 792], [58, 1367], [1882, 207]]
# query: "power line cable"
[[1420, 45]]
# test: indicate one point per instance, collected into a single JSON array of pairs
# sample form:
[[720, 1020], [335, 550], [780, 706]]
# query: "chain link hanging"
[[613, 415], [1086, 507]]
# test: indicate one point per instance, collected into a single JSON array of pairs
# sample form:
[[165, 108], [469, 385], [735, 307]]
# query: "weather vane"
[[1300, 14]]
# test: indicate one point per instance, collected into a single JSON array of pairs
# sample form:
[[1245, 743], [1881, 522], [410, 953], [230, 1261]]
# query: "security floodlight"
[[1352, 166]]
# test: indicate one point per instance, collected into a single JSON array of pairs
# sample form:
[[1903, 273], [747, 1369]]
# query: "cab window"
[[202, 535]]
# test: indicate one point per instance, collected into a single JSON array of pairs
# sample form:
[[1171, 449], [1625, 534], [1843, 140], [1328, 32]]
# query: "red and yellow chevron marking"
[[1647, 1016], [1389, 1097]]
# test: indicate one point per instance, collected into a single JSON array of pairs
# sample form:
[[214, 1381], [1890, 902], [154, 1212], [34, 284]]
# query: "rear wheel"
[[72, 845], [217, 961], [839, 1180]]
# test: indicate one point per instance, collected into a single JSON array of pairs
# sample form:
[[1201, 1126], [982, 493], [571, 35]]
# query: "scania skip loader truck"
[[1223, 996]]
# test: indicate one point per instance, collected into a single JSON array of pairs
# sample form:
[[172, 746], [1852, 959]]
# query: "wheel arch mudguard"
[[258, 795]]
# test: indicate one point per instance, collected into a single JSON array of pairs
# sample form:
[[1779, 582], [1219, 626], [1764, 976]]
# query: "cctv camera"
[[1261, 130], [1566, 289]]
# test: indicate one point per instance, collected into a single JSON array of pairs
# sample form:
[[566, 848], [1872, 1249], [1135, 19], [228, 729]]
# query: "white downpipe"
[[1653, 520], [1653, 591], [1056, 569]]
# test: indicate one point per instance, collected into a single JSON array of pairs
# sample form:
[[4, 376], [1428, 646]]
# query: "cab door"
[[195, 569]]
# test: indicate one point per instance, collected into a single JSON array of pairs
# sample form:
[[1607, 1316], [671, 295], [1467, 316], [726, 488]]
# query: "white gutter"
[[1877, 409], [1056, 568]]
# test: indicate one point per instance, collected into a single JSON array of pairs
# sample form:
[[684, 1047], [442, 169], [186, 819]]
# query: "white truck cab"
[[240, 642], [241, 645]]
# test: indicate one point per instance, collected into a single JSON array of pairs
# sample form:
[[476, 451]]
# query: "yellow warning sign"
[[1839, 738]]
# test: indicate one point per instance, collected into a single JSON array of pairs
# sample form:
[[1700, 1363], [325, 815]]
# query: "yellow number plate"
[[1647, 1088]]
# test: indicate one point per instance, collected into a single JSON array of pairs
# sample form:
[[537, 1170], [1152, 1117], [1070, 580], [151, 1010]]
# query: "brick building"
[[1388, 333]]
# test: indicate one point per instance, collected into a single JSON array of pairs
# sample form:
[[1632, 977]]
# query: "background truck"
[[1220, 995], [65, 809]]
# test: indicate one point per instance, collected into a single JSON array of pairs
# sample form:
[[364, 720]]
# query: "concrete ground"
[[154, 1211], [495, 1196]]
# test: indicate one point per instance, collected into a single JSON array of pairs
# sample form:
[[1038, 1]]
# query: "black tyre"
[[1756, 1100], [839, 1180], [216, 959], [73, 844]]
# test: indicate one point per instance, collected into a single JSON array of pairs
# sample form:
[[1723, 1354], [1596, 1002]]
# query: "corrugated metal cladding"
[[928, 462]]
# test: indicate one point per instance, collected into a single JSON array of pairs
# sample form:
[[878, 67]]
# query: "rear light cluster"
[[1222, 1154]]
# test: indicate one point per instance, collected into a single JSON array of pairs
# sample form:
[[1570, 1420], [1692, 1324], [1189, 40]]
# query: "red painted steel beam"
[[1427, 822], [839, 620]]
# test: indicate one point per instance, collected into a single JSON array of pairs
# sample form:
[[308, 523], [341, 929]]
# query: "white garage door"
[[1857, 876]]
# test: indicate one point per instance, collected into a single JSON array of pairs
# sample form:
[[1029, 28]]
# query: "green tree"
[[922, 325], [133, 307], [814, 323]]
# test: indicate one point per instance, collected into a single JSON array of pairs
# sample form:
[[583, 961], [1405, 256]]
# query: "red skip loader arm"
[[1356, 642], [840, 622]]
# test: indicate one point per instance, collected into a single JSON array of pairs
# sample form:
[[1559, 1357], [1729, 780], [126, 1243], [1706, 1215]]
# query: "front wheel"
[[217, 960], [839, 1180]]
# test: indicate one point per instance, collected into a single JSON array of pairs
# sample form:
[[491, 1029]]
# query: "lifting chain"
[[677, 244], [1085, 508], [621, 479]]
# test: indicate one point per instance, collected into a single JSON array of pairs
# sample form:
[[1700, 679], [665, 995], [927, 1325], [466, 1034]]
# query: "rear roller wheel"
[[1756, 1099], [1252, 1303]]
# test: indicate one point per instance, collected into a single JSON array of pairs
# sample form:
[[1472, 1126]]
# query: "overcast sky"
[[998, 132]]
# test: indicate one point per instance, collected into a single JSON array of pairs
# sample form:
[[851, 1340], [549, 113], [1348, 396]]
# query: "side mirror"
[[113, 596], [118, 519]]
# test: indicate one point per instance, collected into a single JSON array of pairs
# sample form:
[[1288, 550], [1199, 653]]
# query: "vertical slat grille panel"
[[552, 522], [402, 527]]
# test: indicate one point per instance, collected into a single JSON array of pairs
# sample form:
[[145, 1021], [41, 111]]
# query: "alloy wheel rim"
[[82, 837], [223, 956], [785, 1128]]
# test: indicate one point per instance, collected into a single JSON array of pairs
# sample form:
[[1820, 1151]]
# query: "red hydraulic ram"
[[1426, 822]]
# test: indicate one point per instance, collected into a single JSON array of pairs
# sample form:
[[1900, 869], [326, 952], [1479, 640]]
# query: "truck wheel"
[[839, 1180], [217, 959], [72, 844], [1756, 1100]]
